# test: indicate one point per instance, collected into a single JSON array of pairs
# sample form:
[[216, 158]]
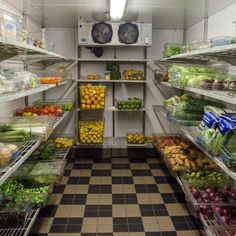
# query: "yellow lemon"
[[83, 106], [102, 95], [92, 99], [82, 101], [89, 102], [99, 98], [86, 97], [88, 107], [98, 106], [91, 95], [102, 103], [93, 106], [95, 102]]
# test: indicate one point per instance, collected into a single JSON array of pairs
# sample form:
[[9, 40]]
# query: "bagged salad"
[[217, 130]]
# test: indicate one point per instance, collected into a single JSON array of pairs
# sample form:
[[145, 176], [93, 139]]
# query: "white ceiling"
[[164, 14]]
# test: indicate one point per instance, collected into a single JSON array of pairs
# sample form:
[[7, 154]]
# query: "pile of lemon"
[[63, 142], [135, 138], [91, 132], [92, 97]]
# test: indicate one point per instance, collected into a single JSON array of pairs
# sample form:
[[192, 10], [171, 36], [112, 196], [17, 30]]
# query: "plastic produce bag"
[[22, 79], [7, 153]]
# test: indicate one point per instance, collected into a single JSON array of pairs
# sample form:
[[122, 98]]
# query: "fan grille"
[[102, 33], [128, 33]]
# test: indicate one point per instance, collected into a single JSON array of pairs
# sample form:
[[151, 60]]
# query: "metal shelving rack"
[[21, 94], [10, 48], [223, 53], [115, 141], [188, 132], [24, 229]]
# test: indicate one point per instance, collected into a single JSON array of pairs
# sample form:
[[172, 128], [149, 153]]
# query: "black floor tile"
[[159, 166], [74, 221], [136, 228], [105, 214], [60, 221], [134, 220], [48, 211], [88, 234], [67, 172], [137, 160], [104, 234], [67, 201], [92, 208], [120, 228], [76, 228], [127, 180], [82, 166], [131, 201], [94, 189], [120, 221], [91, 214], [169, 233], [153, 234], [84, 180], [59, 189], [181, 226], [140, 188], [73, 180], [141, 173], [152, 188], [118, 201], [117, 180], [102, 160], [101, 173], [105, 208], [121, 166], [57, 229]]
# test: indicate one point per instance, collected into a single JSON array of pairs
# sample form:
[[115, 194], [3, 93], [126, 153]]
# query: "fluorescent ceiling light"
[[117, 8]]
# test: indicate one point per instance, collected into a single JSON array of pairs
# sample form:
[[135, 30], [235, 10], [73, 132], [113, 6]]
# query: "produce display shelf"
[[213, 228], [111, 81], [109, 142], [118, 110], [62, 153], [11, 47], [112, 59], [60, 119], [42, 88], [218, 95], [188, 132], [26, 150], [226, 51], [25, 229]]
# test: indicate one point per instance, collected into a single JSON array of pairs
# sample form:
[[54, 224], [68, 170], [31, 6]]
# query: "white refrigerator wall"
[[219, 24]]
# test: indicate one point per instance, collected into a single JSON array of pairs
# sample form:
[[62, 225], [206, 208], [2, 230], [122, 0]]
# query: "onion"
[[233, 212], [196, 193], [225, 212], [208, 190], [218, 210], [209, 212], [234, 221], [233, 195], [205, 196]]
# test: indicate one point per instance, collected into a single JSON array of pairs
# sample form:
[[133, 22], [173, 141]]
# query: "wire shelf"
[[26, 150], [24, 229], [61, 154]]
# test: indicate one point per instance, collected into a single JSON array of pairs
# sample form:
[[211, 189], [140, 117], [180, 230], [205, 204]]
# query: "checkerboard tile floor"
[[116, 197]]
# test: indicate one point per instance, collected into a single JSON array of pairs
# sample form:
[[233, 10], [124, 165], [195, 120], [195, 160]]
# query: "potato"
[[179, 161], [187, 163]]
